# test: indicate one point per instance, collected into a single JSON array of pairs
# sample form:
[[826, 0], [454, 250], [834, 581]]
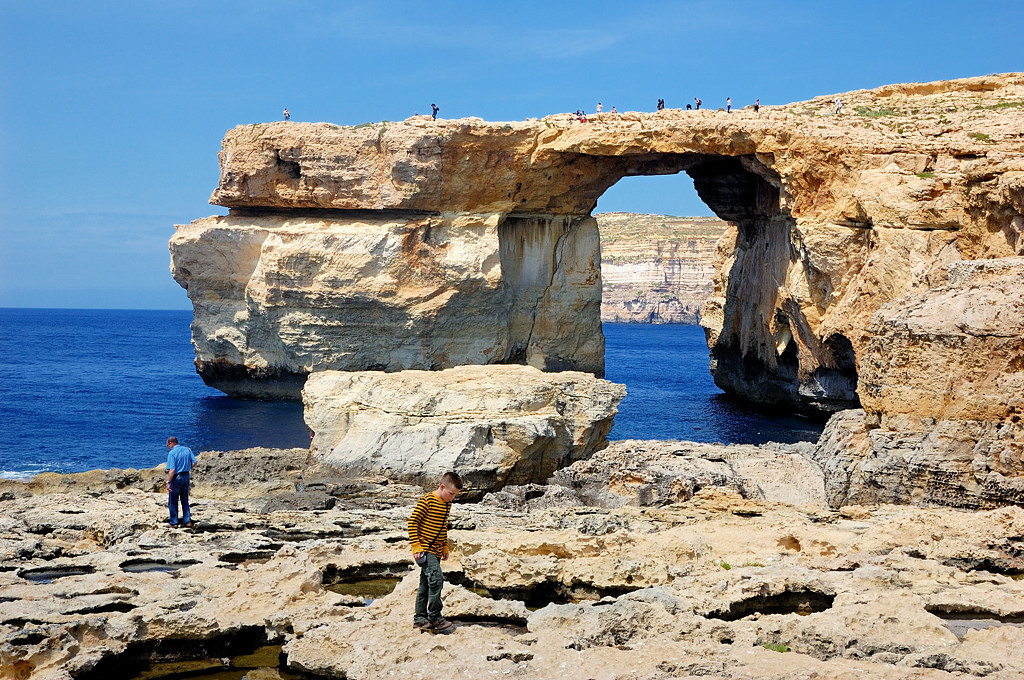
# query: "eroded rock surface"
[[942, 382], [717, 585], [494, 425], [653, 473], [276, 297]]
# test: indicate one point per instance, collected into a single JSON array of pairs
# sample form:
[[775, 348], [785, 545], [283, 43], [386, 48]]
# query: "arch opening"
[[748, 360]]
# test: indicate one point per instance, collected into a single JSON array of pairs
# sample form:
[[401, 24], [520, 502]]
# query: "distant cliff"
[[656, 268]]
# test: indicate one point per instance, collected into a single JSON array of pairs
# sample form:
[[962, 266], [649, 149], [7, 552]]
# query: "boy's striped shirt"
[[428, 525]]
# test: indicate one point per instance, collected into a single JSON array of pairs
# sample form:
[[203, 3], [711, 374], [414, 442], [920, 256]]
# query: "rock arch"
[[427, 244]]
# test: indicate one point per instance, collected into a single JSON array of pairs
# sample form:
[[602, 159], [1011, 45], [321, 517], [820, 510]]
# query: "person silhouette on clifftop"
[[434, 110]]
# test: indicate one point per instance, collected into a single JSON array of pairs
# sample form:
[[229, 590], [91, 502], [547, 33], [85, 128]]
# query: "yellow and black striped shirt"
[[428, 525]]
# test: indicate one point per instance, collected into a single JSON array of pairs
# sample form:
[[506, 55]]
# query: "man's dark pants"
[[179, 489]]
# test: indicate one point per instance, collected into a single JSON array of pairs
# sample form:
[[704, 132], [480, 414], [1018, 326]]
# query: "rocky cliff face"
[[656, 268], [942, 382], [278, 296], [426, 244]]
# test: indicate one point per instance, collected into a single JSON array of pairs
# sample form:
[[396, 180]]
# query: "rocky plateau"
[[651, 560]]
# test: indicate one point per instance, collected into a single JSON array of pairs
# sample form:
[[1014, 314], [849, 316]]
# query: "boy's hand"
[[444, 557]]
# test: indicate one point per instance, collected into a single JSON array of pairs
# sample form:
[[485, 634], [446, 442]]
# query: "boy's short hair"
[[452, 479]]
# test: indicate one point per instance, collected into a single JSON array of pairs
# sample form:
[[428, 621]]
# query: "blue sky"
[[112, 112]]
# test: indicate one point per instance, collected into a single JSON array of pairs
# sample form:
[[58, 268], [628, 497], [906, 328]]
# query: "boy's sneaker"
[[442, 626], [422, 625]]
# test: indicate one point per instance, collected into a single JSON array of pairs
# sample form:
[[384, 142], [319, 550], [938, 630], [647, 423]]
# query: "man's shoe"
[[422, 625], [172, 525], [442, 626]]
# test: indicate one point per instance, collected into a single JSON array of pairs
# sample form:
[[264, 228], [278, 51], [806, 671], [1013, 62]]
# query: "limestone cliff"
[[656, 268], [426, 244], [942, 383], [276, 297]]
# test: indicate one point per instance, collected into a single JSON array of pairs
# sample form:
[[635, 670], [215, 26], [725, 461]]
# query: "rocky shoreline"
[[648, 560]]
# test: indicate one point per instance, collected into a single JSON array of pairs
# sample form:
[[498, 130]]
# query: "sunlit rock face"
[[277, 297], [831, 216], [942, 382]]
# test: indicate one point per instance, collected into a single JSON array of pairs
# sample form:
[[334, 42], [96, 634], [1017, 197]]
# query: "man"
[[180, 460]]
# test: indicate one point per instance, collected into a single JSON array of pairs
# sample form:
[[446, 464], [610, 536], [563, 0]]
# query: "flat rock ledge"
[[494, 425], [719, 578]]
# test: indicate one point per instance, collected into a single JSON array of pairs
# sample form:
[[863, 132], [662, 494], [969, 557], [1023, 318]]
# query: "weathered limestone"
[[833, 216], [717, 585], [942, 383], [644, 472], [656, 268], [277, 297], [494, 425]]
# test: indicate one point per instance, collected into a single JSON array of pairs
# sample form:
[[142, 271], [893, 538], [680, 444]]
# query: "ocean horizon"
[[95, 389]]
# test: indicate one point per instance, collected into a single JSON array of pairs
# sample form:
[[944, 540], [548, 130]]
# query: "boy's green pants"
[[428, 597]]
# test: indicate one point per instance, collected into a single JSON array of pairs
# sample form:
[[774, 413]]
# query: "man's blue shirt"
[[180, 459]]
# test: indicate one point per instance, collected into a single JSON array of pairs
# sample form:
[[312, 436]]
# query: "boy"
[[428, 534]]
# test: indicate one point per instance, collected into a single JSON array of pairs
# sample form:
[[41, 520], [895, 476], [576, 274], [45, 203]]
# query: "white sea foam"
[[22, 475], [18, 475]]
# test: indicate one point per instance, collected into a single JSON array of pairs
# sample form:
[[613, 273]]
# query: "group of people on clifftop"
[[581, 115]]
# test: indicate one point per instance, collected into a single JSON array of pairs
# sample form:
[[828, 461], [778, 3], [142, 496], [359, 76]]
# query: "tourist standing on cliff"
[[757, 105], [434, 110], [180, 460], [428, 534], [697, 99], [287, 115], [839, 105], [600, 108], [728, 104], [661, 104]]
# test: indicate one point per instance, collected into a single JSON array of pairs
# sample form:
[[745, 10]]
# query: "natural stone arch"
[[778, 362], [418, 257]]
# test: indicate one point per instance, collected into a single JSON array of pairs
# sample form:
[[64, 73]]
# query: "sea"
[[88, 389]]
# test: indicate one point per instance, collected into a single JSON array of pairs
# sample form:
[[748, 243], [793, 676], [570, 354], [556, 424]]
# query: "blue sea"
[[86, 389]]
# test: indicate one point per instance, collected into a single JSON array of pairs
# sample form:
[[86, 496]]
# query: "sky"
[[112, 113]]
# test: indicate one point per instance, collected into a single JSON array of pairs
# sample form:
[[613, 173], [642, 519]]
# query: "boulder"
[[494, 425]]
